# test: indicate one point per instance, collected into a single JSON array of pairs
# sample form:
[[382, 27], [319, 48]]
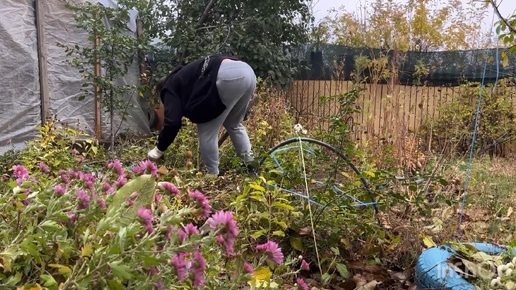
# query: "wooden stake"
[[42, 61], [98, 124], [141, 54]]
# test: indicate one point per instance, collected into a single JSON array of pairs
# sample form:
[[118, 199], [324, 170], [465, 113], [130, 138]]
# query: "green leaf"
[[48, 280], [343, 270], [281, 224], [122, 237], [326, 278], [262, 274], [29, 247], [120, 270], [8, 256], [370, 173], [258, 233], [13, 280], [87, 250], [278, 233], [115, 285], [284, 206], [50, 225], [63, 270], [86, 236], [145, 186], [296, 242], [257, 187]]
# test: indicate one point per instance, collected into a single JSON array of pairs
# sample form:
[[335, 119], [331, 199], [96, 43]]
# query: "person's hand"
[[155, 154]]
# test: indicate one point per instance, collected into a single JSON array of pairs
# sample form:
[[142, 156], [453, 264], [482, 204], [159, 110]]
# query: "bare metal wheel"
[[315, 172]]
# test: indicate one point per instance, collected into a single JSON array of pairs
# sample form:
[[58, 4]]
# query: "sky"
[[321, 7]]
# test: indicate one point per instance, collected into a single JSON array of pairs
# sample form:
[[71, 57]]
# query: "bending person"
[[212, 92]]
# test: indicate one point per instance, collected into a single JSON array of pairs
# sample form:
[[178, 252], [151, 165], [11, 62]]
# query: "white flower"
[[508, 272], [500, 269], [495, 281], [510, 285], [298, 128]]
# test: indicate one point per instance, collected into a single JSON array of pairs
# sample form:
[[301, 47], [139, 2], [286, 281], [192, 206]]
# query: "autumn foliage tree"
[[505, 29], [421, 25]]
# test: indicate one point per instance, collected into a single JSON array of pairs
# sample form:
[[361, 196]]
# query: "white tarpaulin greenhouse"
[[21, 96]]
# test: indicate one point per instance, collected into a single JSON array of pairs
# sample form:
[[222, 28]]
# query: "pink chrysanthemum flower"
[[169, 187], [71, 217], [146, 166], [199, 266], [305, 265], [248, 268], [108, 189], [20, 171], [191, 229], [149, 228], [84, 199], [183, 234], [44, 167], [59, 189], [116, 165], [64, 178], [153, 270], [102, 203], [74, 174], [129, 201], [227, 229], [145, 214], [273, 251], [121, 181], [202, 201], [131, 198], [158, 285], [181, 265], [301, 284]]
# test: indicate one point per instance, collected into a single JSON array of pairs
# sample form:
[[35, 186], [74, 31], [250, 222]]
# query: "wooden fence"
[[386, 110]]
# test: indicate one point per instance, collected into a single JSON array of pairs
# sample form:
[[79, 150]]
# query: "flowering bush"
[[119, 229]]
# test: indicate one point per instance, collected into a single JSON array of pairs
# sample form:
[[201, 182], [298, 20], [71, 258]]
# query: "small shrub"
[[58, 145], [451, 131], [116, 228]]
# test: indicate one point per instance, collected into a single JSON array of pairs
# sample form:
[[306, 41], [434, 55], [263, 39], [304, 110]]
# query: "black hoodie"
[[190, 91]]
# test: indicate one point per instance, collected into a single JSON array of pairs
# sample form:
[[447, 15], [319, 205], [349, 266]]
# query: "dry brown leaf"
[[163, 170], [369, 286]]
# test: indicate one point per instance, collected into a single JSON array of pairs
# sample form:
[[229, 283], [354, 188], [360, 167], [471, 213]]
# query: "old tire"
[[433, 271]]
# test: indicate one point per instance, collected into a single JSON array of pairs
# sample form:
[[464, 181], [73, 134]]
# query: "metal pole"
[[42, 60]]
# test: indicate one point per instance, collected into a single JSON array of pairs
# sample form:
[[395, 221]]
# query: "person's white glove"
[[155, 154]]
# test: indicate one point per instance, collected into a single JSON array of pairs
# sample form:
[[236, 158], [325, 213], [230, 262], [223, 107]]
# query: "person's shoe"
[[252, 168]]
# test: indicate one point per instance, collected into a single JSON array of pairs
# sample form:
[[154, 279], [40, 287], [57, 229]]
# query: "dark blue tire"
[[433, 271]]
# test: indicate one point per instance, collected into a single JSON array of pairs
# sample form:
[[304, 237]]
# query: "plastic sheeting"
[[19, 80], [20, 103]]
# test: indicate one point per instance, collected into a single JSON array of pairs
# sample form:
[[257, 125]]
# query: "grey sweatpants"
[[236, 83]]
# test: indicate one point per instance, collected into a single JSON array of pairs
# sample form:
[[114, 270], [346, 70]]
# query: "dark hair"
[[160, 85]]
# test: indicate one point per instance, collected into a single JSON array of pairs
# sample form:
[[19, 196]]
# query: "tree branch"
[[497, 11], [207, 10], [201, 21]]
